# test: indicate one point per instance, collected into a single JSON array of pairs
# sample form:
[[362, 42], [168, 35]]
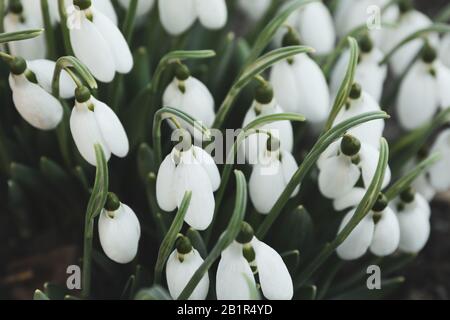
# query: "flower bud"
[[18, 66], [365, 43], [112, 202], [355, 92], [82, 94], [350, 145], [183, 245], [82, 4], [429, 54], [246, 234], [381, 203], [264, 93], [408, 195]]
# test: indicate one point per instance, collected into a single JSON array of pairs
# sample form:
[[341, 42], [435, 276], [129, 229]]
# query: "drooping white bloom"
[[422, 92], [235, 280], [119, 233], [98, 43], [343, 164], [255, 145], [359, 103], [192, 170], [270, 176], [254, 9], [439, 172], [315, 26], [414, 219], [378, 230], [31, 97], [191, 96], [180, 268], [422, 183], [301, 87], [369, 74], [444, 50], [93, 122], [178, 15]]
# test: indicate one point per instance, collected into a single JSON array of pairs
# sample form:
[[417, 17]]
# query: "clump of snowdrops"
[[92, 92]]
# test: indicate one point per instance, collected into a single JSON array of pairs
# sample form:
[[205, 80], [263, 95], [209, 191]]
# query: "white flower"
[[423, 91], [369, 74], [143, 7], [99, 44], [344, 163], [191, 96], [359, 103], [379, 230], [444, 50], [263, 105], [19, 20], [439, 172], [119, 232], [314, 24], [93, 122], [270, 176], [191, 169], [413, 215], [301, 87], [254, 9], [181, 266], [178, 15], [29, 84], [422, 183], [235, 280]]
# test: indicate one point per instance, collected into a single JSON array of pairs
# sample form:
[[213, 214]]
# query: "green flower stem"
[[170, 238], [309, 162], [444, 16], [20, 35], [361, 211], [49, 35], [95, 206], [249, 73], [252, 128], [64, 29], [225, 239]]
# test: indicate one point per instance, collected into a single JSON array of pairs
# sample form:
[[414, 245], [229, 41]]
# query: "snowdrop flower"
[[413, 213], [314, 24], [119, 231], [97, 42], [300, 85], [36, 105], [143, 7], [360, 102], [244, 257], [179, 15], [188, 168], [369, 74], [191, 96], [423, 91], [19, 20], [421, 184], [265, 104], [444, 50], [254, 9], [181, 266], [439, 173], [271, 175], [93, 122], [379, 230], [409, 22], [344, 163]]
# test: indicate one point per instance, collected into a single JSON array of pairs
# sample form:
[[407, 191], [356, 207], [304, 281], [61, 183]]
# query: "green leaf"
[[362, 210], [54, 291], [250, 72], [127, 290], [153, 293], [306, 293], [49, 35], [169, 240], [291, 260], [363, 293], [39, 295], [309, 162], [227, 237], [20, 35]]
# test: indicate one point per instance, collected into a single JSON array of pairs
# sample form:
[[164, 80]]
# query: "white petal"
[[276, 282], [144, 6], [234, 278], [93, 50], [283, 80], [43, 69], [386, 236], [212, 13], [337, 176], [418, 98], [439, 173], [117, 44], [359, 240], [351, 199], [107, 8], [443, 80], [165, 185], [177, 15], [35, 105], [254, 9], [111, 128], [207, 162], [332, 151], [289, 166], [444, 50], [369, 162], [423, 186], [119, 236], [86, 133], [179, 273]]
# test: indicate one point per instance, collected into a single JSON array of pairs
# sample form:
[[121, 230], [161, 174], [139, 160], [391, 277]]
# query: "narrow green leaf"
[[153, 293], [306, 293], [20, 35], [363, 293], [49, 35], [291, 260], [39, 295]]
